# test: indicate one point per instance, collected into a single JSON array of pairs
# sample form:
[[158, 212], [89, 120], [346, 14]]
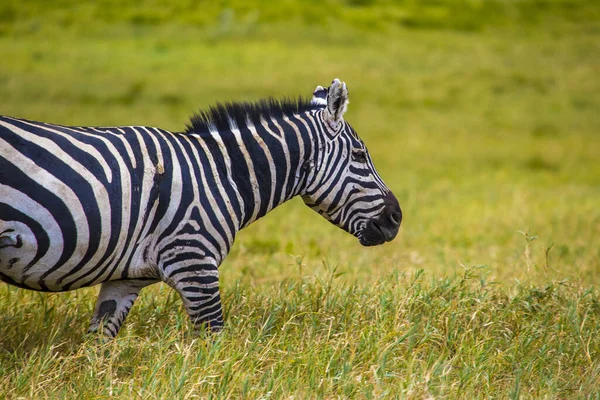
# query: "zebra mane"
[[219, 116]]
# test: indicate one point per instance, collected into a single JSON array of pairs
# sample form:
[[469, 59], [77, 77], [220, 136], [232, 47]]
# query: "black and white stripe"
[[129, 206]]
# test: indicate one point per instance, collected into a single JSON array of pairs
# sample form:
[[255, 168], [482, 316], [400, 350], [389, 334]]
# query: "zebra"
[[126, 207]]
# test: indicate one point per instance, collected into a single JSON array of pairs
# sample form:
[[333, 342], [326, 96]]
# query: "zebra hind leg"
[[114, 302], [198, 286]]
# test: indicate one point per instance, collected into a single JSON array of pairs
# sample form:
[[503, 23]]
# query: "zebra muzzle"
[[385, 226]]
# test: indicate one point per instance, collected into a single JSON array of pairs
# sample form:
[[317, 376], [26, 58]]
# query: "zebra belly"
[[36, 254], [20, 264], [30, 260]]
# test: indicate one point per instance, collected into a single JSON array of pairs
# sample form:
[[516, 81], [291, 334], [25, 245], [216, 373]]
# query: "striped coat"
[[126, 207]]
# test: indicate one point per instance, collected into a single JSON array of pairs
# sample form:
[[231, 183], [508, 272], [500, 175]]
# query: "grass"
[[403, 335], [483, 119]]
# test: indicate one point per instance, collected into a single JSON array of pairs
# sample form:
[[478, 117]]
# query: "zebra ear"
[[337, 102], [319, 97]]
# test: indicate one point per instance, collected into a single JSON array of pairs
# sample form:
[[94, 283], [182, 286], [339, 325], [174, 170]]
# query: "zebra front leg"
[[114, 302], [198, 285]]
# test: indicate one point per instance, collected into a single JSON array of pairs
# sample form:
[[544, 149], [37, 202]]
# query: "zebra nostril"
[[395, 218]]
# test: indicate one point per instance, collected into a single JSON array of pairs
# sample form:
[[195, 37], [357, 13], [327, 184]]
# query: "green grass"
[[483, 118], [403, 335]]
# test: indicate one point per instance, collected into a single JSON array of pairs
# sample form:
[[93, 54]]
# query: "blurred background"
[[482, 116]]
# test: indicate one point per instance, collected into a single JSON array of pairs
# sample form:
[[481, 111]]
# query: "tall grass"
[[403, 335]]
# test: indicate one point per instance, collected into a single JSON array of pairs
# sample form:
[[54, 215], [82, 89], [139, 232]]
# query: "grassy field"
[[482, 116]]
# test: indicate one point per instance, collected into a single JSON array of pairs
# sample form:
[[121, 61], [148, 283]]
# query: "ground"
[[482, 117]]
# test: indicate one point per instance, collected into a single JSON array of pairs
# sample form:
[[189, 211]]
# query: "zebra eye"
[[359, 156]]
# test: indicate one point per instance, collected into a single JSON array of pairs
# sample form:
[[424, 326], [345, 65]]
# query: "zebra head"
[[345, 187]]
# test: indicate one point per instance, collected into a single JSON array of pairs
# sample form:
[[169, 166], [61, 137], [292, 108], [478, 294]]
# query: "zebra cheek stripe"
[[126, 207]]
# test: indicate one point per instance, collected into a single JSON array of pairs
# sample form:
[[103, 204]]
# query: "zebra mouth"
[[369, 242], [373, 234], [378, 231]]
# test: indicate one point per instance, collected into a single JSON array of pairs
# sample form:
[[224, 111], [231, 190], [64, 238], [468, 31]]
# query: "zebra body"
[[126, 207]]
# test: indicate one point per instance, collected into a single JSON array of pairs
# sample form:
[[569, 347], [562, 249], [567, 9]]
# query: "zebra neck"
[[266, 164]]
